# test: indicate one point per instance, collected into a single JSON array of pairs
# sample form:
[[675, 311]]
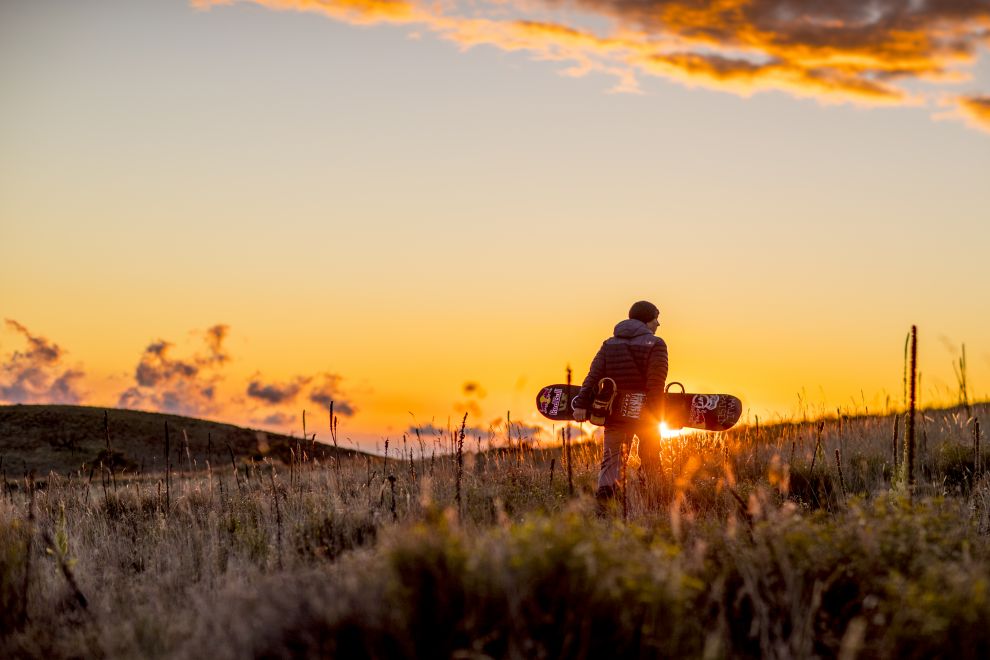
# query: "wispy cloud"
[[279, 404], [834, 50], [976, 109], [276, 393], [433, 433], [328, 390], [181, 386], [279, 419], [37, 374], [473, 392], [472, 388], [359, 12], [166, 380]]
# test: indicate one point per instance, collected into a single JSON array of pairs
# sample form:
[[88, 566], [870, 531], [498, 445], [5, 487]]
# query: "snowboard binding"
[[601, 405]]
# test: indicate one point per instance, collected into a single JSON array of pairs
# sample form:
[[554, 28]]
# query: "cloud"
[[180, 386], [37, 374], [329, 391], [357, 12], [214, 341], [976, 110], [277, 419], [167, 382], [431, 430], [472, 409], [472, 388], [273, 400], [832, 50], [526, 431], [275, 393]]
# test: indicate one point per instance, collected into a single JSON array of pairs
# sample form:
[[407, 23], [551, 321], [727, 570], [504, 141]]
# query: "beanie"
[[644, 311]]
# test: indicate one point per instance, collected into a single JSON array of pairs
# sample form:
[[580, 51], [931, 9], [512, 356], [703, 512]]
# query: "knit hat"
[[644, 311]]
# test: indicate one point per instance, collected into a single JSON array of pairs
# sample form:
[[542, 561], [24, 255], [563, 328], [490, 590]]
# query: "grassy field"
[[788, 540]]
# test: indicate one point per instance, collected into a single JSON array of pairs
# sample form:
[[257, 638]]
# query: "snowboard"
[[705, 412]]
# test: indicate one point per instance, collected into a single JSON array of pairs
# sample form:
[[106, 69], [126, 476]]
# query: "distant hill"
[[63, 439]]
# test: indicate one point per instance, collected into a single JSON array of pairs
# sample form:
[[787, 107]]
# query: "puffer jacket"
[[634, 358]]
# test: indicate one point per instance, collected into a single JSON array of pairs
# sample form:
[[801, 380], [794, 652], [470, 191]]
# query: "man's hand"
[[580, 414]]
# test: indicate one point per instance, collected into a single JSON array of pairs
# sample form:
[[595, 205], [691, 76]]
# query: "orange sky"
[[381, 203]]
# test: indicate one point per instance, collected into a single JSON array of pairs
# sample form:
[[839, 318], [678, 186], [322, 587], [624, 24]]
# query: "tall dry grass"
[[752, 542]]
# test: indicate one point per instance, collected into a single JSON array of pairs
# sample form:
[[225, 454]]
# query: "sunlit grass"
[[744, 544]]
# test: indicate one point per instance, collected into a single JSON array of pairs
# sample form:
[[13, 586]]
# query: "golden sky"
[[241, 210]]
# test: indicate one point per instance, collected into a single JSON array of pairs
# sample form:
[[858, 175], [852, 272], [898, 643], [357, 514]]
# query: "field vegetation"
[[784, 540]]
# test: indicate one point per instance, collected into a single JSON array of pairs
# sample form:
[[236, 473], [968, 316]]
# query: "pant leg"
[[649, 448], [611, 468], [650, 472]]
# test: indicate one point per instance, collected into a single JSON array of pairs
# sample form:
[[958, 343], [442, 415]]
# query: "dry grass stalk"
[[336, 449], [960, 371], [278, 518], [368, 481], [838, 467], [623, 480], [460, 461], [233, 464], [109, 449], [28, 553], [567, 446], [818, 446], [391, 485], [66, 570], [168, 470], [894, 452], [907, 344], [185, 447], [909, 430], [977, 468]]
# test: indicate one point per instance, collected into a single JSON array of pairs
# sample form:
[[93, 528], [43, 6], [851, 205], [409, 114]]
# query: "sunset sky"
[[241, 210]]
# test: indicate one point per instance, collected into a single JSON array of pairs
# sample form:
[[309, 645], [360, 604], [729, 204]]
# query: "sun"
[[669, 433]]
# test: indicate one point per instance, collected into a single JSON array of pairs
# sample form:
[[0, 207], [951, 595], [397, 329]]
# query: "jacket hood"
[[631, 328]]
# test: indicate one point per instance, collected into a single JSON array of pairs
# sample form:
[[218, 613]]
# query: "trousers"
[[618, 436]]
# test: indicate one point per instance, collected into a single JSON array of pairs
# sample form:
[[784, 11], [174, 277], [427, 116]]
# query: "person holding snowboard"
[[636, 360]]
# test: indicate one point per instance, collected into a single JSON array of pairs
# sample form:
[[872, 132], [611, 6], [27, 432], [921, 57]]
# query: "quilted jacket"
[[634, 358]]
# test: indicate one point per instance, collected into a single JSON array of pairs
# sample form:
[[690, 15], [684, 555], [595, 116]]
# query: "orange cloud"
[[977, 110], [175, 385], [358, 12], [37, 374], [832, 50]]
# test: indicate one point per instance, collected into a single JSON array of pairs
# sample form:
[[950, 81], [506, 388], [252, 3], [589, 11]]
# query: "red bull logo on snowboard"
[[551, 400], [543, 401]]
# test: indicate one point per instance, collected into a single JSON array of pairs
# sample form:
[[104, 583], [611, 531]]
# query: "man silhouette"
[[636, 360]]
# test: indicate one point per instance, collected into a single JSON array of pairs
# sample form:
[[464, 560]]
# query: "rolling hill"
[[63, 439]]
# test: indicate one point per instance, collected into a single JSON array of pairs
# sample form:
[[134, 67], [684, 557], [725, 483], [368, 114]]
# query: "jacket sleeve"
[[595, 373], [656, 376]]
